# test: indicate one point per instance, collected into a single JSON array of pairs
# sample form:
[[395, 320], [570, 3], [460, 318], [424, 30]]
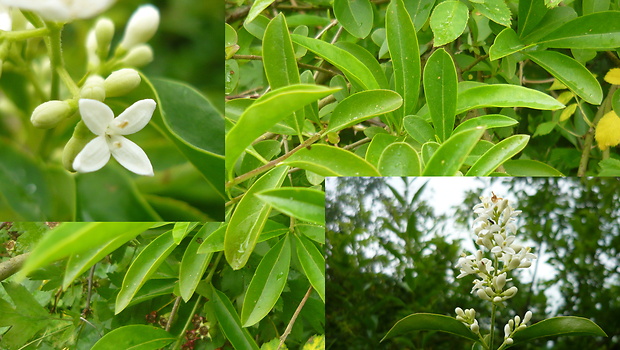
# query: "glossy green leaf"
[[615, 101], [257, 7], [440, 88], [570, 73], [527, 167], [278, 56], [362, 106], [489, 121], [305, 204], [552, 20], [356, 16], [368, 60], [531, 12], [143, 266], [154, 288], [77, 237], [495, 10], [267, 284], [448, 21], [328, 160], [182, 229], [599, 30], [419, 10], [592, 6], [265, 112], [377, 145], [419, 129], [402, 42], [451, 155], [214, 242], [193, 265], [506, 43], [313, 264], [430, 322], [257, 26], [248, 219], [79, 262], [229, 322], [231, 76], [504, 95], [358, 74], [556, 326], [497, 155], [428, 149], [399, 159], [134, 337]]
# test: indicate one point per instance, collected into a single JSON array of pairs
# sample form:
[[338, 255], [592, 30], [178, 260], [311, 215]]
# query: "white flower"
[[62, 10], [6, 23], [99, 118], [141, 27]]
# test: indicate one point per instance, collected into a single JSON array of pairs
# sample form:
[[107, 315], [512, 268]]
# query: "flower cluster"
[[515, 325], [495, 230], [469, 318]]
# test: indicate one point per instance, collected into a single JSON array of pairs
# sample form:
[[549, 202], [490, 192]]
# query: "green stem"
[[177, 344], [22, 35], [54, 47], [492, 325], [217, 261]]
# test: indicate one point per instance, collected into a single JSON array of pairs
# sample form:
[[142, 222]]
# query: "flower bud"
[[514, 263], [104, 32], [459, 312], [475, 327], [121, 82], [497, 299], [139, 56], [509, 341], [91, 50], [93, 88], [527, 317], [510, 292], [517, 320], [507, 330], [81, 136], [521, 327], [483, 295], [47, 115], [141, 27]]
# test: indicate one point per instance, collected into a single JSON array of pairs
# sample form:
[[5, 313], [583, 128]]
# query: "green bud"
[[81, 136], [47, 115], [139, 56], [104, 32], [121, 82], [94, 88]]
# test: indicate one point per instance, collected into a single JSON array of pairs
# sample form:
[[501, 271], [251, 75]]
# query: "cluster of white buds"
[[495, 230], [515, 325], [468, 317]]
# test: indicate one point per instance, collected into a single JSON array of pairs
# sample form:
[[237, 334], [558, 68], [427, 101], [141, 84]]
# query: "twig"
[[175, 308], [90, 290], [357, 143], [288, 329], [478, 60], [237, 14], [541, 81], [11, 266]]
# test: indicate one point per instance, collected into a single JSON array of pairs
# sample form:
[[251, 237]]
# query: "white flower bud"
[[514, 263], [122, 82], [93, 88], [511, 323], [47, 115], [91, 50], [81, 136], [511, 291], [527, 317], [483, 295], [138, 56], [459, 312], [500, 281], [141, 27], [509, 341], [475, 327], [507, 330], [489, 291], [497, 299], [104, 32], [521, 327], [517, 320]]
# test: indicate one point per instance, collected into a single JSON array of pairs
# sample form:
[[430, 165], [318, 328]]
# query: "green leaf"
[[495, 10], [248, 219], [599, 31], [489, 121], [440, 88], [305, 204], [141, 269], [362, 106], [358, 74], [570, 73], [257, 7], [419, 10], [428, 149], [229, 322], [399, 159], [25, 319], [356, 16], [419, 129], [328, 160], [531, 12], [278, 55], [615, 101], [592, 6], [193, 265], [182, 229], [134, 337], [267, 284], [506, 43], [448, 21], [273, 345], [555, 326], [265, 112], [214, 242], [231, 76], [377, 145], [552, 20], [451, 155], [402, 42], [368, 60], [497, 155], [504, 95], [313, 264], [76, 237], [609, 167], [430, 322], [526, 167]]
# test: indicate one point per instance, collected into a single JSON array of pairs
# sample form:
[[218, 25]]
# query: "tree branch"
[[11, 266]]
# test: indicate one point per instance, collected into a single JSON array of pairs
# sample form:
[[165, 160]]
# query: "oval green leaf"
[[248, 219], [313, 264], [527, 167], [229, 322], [495, 10], [356, 16], [193, 265], [257, 7], [430, 322], [451, 155], [489, 121], [570, 73], [448, 21], [419, 129], [531, 12], [399, 159], [505, 95], [328, 160], [302, 203], [440, 88], [562, 325], [134, 337], [599, 30], [182, 229], [362, 106], [278, 54], [506, 42], [267, 284], [498, 154]]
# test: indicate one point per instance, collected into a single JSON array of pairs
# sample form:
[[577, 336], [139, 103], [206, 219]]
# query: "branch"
[[288, 329], [11, 266]]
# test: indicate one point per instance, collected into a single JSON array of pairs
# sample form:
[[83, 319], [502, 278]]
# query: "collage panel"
[[443, 263], [111, 111]]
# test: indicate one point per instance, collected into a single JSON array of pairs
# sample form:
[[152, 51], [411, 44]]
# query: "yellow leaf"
[[565, 97], [613, 76], [608, 131], [568, 112], [557, 85], [316, 342]]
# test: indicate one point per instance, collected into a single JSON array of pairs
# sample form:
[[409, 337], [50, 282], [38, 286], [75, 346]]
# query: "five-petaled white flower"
[[62, 10], [99, 118]]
